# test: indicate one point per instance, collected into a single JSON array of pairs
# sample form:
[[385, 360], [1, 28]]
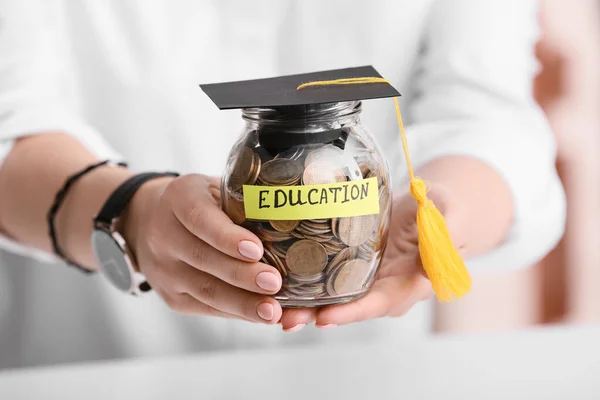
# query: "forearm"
[[476, 200], [31, 175]]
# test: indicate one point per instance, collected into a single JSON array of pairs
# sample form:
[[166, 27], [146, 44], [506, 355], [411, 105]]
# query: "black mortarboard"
[[281, 91]]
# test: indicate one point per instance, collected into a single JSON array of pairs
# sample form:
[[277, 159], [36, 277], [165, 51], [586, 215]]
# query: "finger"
[[256, 277], [185, 304], [294, 319], [389, 296], [215, 293], [199, 212]]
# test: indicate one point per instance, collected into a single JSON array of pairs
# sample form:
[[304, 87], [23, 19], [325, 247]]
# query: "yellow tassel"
[[443, 264]]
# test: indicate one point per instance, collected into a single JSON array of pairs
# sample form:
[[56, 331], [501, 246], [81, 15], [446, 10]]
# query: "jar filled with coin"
[[311, 183]]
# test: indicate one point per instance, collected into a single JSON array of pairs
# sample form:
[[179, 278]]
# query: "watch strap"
[[119, 199]]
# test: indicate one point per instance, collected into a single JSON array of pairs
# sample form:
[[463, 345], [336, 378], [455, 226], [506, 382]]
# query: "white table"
[[542, 364]]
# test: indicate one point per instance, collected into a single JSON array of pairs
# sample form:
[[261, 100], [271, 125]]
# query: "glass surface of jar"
[[311, 183]]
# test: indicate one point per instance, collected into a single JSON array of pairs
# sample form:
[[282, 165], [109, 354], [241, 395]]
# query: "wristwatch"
[[112, 253]]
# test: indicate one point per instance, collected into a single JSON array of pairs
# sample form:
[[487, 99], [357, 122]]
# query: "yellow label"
[[347, 199]]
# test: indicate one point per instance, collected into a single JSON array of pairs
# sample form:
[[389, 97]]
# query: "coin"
[[242, 169], [366, 250], [334, 227], [323, 238], [280, 171], [294, 153], [273, 260], [365, 169], [346, 254], [318, 257], [382, 179], [284, 226], [310, 290], [326, 153], [306, 257], [322, 172], [233, 206], [307, 279], [256, 164], [351, 277], [355, 230], [270, 235], [277, 249], [333, 246], [305, 230], [317, 226], [297, 235], [259, 181]]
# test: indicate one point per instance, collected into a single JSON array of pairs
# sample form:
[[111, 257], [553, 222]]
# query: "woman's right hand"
[[194, 256]]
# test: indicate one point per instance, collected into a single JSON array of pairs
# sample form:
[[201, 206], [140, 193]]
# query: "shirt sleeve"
[[474, 98], [32, 68]]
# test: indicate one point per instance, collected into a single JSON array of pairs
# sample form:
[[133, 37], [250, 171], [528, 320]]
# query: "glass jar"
[[311, 183]]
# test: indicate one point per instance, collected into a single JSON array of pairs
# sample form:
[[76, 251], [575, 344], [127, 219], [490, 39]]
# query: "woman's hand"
[[399, 284], [477, 205], [194, 256]]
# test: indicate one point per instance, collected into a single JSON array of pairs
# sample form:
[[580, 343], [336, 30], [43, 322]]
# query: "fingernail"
[[328, 326], [265, 311], [268, 281], [295, 328], [249, 249]]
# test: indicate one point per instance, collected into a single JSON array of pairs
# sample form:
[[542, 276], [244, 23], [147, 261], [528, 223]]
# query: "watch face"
[[112, 259]]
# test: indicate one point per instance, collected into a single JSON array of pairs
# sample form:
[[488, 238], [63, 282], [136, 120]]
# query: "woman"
[[83, 81]]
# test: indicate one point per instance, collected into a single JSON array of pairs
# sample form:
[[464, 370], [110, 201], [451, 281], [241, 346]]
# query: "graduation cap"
[[282, 94], [441, 261], [283, 90]]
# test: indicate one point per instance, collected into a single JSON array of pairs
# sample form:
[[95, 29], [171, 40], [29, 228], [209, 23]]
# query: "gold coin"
[[242, 169], [355, 230], [255, 170], [306, 257], [233, 206], [280, 171], [322, 172], [284, 226], [352, 277]]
